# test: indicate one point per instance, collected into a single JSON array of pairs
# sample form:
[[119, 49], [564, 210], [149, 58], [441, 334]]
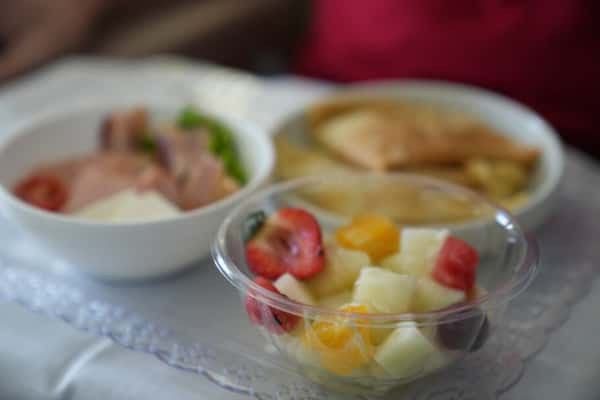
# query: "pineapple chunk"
[[375, 235], [432, 296], [405, 352], [419, 249], [336, 300], [342, 267], [384, 291], [294, 289]]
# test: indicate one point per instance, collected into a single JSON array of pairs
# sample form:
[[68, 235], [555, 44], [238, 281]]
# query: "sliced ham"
[[228, 186], [66, 170], [103, 176], [158, 179], [201, 183], [178, 150], [124, 131]]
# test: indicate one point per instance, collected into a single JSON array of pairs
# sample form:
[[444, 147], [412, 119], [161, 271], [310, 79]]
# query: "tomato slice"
[[43, 191]]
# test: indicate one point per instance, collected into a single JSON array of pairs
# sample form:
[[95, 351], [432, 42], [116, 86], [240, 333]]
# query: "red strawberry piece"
[[289, 241], [276, 320], [456, 264]]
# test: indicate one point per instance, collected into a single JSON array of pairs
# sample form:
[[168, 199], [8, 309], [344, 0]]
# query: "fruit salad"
[[369, 266]]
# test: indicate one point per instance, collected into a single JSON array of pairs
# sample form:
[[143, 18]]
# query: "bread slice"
[[380, 134]]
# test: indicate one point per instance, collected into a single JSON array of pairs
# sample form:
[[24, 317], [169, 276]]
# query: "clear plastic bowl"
[[431, 340]]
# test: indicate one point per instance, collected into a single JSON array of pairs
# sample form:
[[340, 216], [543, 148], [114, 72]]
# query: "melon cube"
[[384, 291], [342, 267], [405, 352], [418, 251], [431, 296], [295, 290], [380, 333]]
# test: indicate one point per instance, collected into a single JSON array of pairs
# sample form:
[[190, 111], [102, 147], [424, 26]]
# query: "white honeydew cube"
[[405, 352], [337, 300], [418, 250], [342, 267], [294, 289], [431, 296], [384, 291]]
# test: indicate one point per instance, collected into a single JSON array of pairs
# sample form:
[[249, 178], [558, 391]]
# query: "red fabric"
[[545, 53]]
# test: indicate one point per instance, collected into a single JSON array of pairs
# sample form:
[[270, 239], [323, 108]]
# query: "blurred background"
[[544, 53]]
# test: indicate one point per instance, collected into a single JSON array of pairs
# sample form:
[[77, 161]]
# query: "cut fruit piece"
[[395, 263], [418, 251], [384, 291], [336, 300], [342, 267], [378, 372], [376, 235], [405, 352], [344, 346], [432, 296], [380, 334], [288, 241], [275, 320], [294, 289], [456, 264]]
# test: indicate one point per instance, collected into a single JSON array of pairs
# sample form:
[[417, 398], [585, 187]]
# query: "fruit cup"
[[347, 346]]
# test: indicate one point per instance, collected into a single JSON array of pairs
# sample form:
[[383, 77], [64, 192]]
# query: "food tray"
[[193, 320]]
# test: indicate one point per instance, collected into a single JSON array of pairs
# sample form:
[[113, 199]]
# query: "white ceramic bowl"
[[509, 117], [125, 250]]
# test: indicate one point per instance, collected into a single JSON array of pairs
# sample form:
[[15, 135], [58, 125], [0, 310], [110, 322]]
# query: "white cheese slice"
[[144, 206], [127, 206]]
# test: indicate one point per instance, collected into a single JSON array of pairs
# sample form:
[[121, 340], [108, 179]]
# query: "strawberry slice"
[[275, 320], [456, 264], [288, 241]]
